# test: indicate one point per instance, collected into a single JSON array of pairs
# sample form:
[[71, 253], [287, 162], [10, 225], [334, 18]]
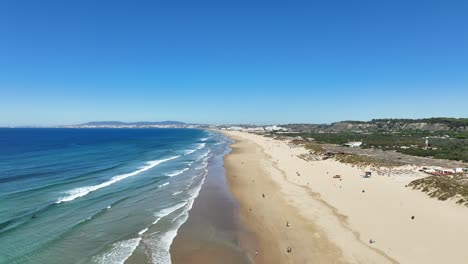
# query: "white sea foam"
[[160, 243], [190, 151], [82, 191], [142, 231], [176, 193], [164, 184], [122, 250], [204, 163], [204, 139], [119, 253], [167, 211], [204, 155], [196, 190], [199, 146], [172, 174]]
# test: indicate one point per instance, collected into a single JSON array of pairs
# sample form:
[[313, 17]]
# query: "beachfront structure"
[[443, 171], [255, 129], [354, 144], [235, 128], [275, 128]]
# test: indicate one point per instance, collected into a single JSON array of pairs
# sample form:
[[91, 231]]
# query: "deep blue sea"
[[98, 195]]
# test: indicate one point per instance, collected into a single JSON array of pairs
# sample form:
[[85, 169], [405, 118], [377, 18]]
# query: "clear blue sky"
[[65, 62]]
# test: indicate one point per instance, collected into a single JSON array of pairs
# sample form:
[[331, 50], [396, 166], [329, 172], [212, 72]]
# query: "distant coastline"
[[118, 124]]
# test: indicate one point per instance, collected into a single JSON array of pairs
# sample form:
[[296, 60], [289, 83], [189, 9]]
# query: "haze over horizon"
[[231, 62]]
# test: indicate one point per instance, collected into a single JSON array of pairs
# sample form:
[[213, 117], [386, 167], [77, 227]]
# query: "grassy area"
[[363, 161], [316, 148], [357, 160], [452, 145], [444, 188]]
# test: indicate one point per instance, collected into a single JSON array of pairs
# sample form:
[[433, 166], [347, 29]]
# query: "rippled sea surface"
[[98, 195]]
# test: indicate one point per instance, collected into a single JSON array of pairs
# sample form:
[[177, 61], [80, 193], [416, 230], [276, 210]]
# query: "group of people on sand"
[[288, 249]]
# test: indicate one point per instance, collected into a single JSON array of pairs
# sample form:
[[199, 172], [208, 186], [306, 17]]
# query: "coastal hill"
[[388, 125]]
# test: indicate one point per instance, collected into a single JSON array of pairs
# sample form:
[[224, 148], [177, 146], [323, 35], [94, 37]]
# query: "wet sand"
[[213, 232]]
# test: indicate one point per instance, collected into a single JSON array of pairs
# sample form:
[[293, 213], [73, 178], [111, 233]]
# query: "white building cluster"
[[256, 128], [444, 171]]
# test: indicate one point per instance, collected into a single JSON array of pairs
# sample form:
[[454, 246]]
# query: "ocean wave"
[[142, 231], [82, 191], [172, 174], [160, 243], [204, 139], [176, 193], [204, 163], [199, 146], [119, 253], [167, 211], [204, 155], [194, 188], [18, 221], [122, 250], [164, 184]]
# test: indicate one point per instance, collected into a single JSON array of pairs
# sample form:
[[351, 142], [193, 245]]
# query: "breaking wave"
[[82, 191]]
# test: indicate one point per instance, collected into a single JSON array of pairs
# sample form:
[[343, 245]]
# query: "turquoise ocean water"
[[98, 195]]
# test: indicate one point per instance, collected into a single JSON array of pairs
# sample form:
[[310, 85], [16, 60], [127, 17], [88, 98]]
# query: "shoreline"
[[209, 236], [332, 221]]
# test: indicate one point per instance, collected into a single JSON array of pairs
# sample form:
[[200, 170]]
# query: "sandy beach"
[[289, 202]]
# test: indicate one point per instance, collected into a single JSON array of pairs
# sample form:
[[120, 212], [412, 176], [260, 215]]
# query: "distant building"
[[255, 129], [235, 128], [354, 144], [275, 128], [442, 171]]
